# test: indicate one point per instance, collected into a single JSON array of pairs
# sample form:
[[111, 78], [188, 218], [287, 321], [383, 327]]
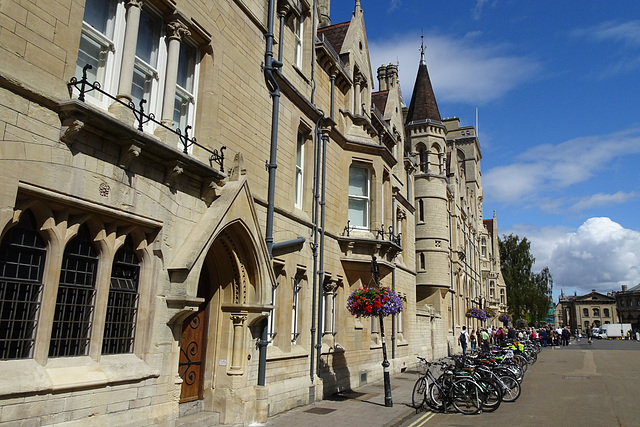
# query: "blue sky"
[[557, 88]]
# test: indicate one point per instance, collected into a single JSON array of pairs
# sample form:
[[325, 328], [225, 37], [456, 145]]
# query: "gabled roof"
[[423, 100], [379, 99], [335, 34], [594, 296], [489, 224]]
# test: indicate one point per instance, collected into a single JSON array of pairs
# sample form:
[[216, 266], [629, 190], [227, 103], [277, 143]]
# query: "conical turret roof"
[[423, 101]]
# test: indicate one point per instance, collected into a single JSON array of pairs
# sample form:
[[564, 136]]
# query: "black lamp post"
[[385, 362]]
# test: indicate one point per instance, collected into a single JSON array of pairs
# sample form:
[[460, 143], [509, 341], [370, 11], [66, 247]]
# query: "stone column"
[[237, 351], [357, 108], [176, 30], [134, 8], [121, 112], [329, 290]]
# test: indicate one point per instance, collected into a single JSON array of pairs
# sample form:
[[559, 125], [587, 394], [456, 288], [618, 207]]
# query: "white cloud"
[[600, 255], [461, 69], [601, 199], [550, 168], [625, 38], [625, 32]]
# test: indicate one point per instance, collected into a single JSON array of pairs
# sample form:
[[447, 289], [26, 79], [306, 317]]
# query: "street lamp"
[[385, 362]]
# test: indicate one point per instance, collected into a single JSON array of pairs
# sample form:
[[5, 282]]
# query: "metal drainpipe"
[[393, 279], [314, 245], [325, 138], [333, 91], [270, 65], [453, 311], [281, 15]]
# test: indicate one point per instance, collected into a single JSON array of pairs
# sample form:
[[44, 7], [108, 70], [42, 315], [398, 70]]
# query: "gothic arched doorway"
[[227, 284]]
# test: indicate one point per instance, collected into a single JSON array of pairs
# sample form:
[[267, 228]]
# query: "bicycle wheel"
[[491, 394], [466, 396], [435, 397], [522, 362], [510, 388], [419, 393]]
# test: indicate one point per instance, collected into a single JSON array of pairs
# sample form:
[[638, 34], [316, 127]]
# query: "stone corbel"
[[70, 130], [128, 154], [172, 173], [210, 190]]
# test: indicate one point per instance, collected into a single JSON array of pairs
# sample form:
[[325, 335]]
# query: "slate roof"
[[423, 100], [335, 34], [379, 99]]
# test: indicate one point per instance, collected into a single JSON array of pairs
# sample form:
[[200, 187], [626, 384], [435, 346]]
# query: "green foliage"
[[528, 294]]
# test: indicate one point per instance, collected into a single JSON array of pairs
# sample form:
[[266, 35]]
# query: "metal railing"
[[380, 233], [83, 86]]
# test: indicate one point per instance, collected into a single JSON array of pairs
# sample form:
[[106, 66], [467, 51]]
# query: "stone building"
[[628, 306], [182, 222], [583, 312], [457, 253]]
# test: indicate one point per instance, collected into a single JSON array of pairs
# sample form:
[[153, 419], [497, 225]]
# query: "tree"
[[528, 294]]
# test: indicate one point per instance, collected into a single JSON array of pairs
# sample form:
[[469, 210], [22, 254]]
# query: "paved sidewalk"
[[362, 407]]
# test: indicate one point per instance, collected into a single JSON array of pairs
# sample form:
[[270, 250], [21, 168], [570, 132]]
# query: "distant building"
[[586, 311], [628, 305]]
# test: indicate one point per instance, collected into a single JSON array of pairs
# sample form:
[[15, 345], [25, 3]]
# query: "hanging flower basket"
[[374, 301], [520, 323], [490, 312], [477, 313], [505, 319]]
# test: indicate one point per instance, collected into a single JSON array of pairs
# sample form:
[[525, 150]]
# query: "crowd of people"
[[483, 337]]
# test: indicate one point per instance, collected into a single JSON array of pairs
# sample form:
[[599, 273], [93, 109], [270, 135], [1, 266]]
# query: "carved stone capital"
[[177, 30], [134, 3]]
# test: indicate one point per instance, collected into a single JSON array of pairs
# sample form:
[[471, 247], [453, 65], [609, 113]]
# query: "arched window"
[[422, 262], [596, 312], [73, 316], [420, 210], [423, 159], [605, 311], [585, 312], [122, 306], [22, 260]]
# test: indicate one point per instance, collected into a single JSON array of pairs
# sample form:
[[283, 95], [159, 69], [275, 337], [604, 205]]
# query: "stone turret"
[[324, 11]]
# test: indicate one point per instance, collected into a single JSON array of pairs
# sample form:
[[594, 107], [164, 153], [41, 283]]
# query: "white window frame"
[[272, 322], [299, 37], [366, 198], [108, 73], [299, 178], [154, 75], [189, 97], [295, 309]]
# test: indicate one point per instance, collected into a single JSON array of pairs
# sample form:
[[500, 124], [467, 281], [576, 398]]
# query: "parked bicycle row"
[[478, 381]]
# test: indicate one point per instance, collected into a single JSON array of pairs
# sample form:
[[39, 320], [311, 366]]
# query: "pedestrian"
[[472, 339], [565, 334], [589, 335], [463, 339], [485, 340], [543, 337]]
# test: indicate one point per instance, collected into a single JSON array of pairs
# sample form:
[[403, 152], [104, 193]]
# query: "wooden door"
[[193, 344]]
